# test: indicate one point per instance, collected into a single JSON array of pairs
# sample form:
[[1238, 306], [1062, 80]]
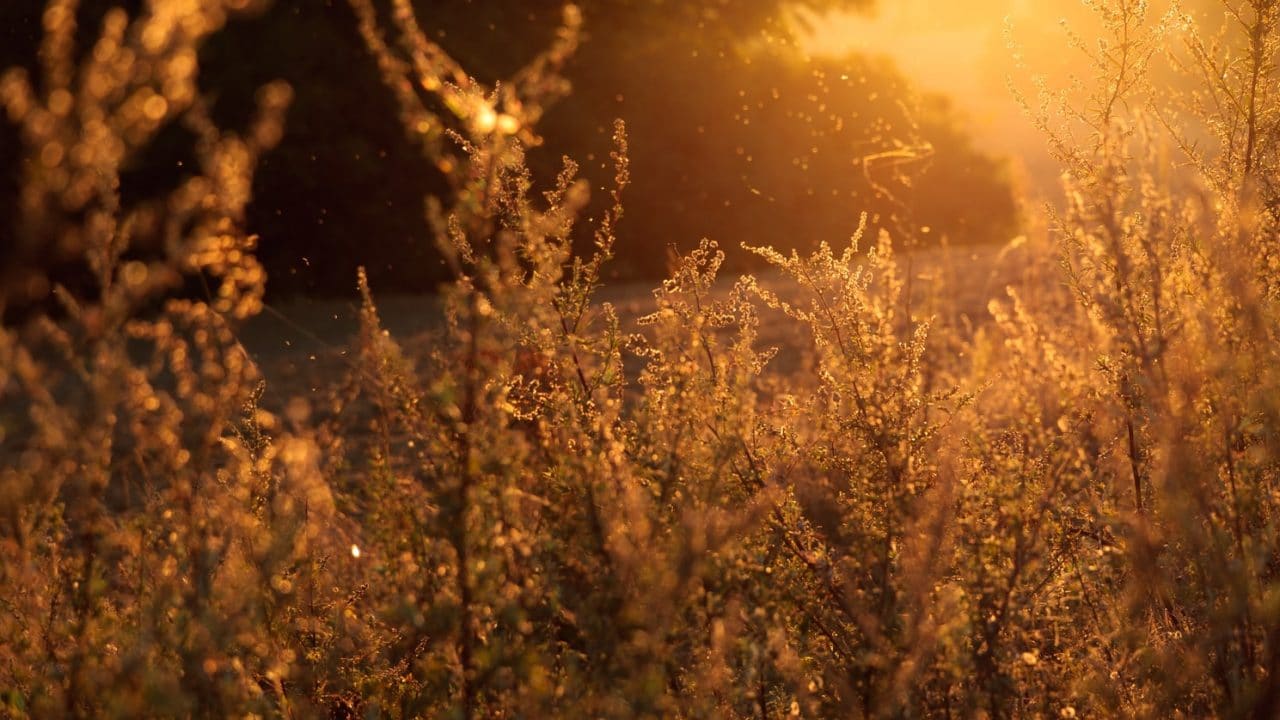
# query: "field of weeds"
[[875, 480]]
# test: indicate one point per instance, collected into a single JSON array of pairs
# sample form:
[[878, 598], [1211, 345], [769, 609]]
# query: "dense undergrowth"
[[1067, 511]]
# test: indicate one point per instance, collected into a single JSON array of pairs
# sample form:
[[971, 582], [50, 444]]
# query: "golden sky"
[[961, 48]]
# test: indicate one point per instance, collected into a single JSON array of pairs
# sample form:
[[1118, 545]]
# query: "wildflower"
[[484, 119]]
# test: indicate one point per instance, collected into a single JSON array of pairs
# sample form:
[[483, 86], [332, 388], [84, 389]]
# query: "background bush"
[[684, 75]]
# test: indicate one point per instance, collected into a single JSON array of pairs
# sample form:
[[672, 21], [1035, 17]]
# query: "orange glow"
[[969, 52], [974, 52]]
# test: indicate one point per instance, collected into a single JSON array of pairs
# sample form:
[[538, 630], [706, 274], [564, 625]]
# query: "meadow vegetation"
[[1069, 509]]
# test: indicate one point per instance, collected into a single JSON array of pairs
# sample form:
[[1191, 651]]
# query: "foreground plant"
[[152, 536]]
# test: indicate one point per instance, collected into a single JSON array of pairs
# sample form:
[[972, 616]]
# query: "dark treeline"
[[734, 136]]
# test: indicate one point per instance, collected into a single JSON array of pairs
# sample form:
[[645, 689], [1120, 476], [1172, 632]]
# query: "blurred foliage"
[[720, 153]]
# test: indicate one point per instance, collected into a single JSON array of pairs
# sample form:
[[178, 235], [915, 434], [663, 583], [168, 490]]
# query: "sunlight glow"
[[962, 50]]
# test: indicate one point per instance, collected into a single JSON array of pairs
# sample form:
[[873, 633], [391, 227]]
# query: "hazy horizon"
[[970, 52]]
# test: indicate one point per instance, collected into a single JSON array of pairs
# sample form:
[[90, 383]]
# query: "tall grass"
[[1069, 510]]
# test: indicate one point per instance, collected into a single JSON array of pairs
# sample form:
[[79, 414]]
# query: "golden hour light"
[[752, 359], [969, 52]]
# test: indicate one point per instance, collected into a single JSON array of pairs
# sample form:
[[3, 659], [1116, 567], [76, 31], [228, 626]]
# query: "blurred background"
[[751, 121]]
